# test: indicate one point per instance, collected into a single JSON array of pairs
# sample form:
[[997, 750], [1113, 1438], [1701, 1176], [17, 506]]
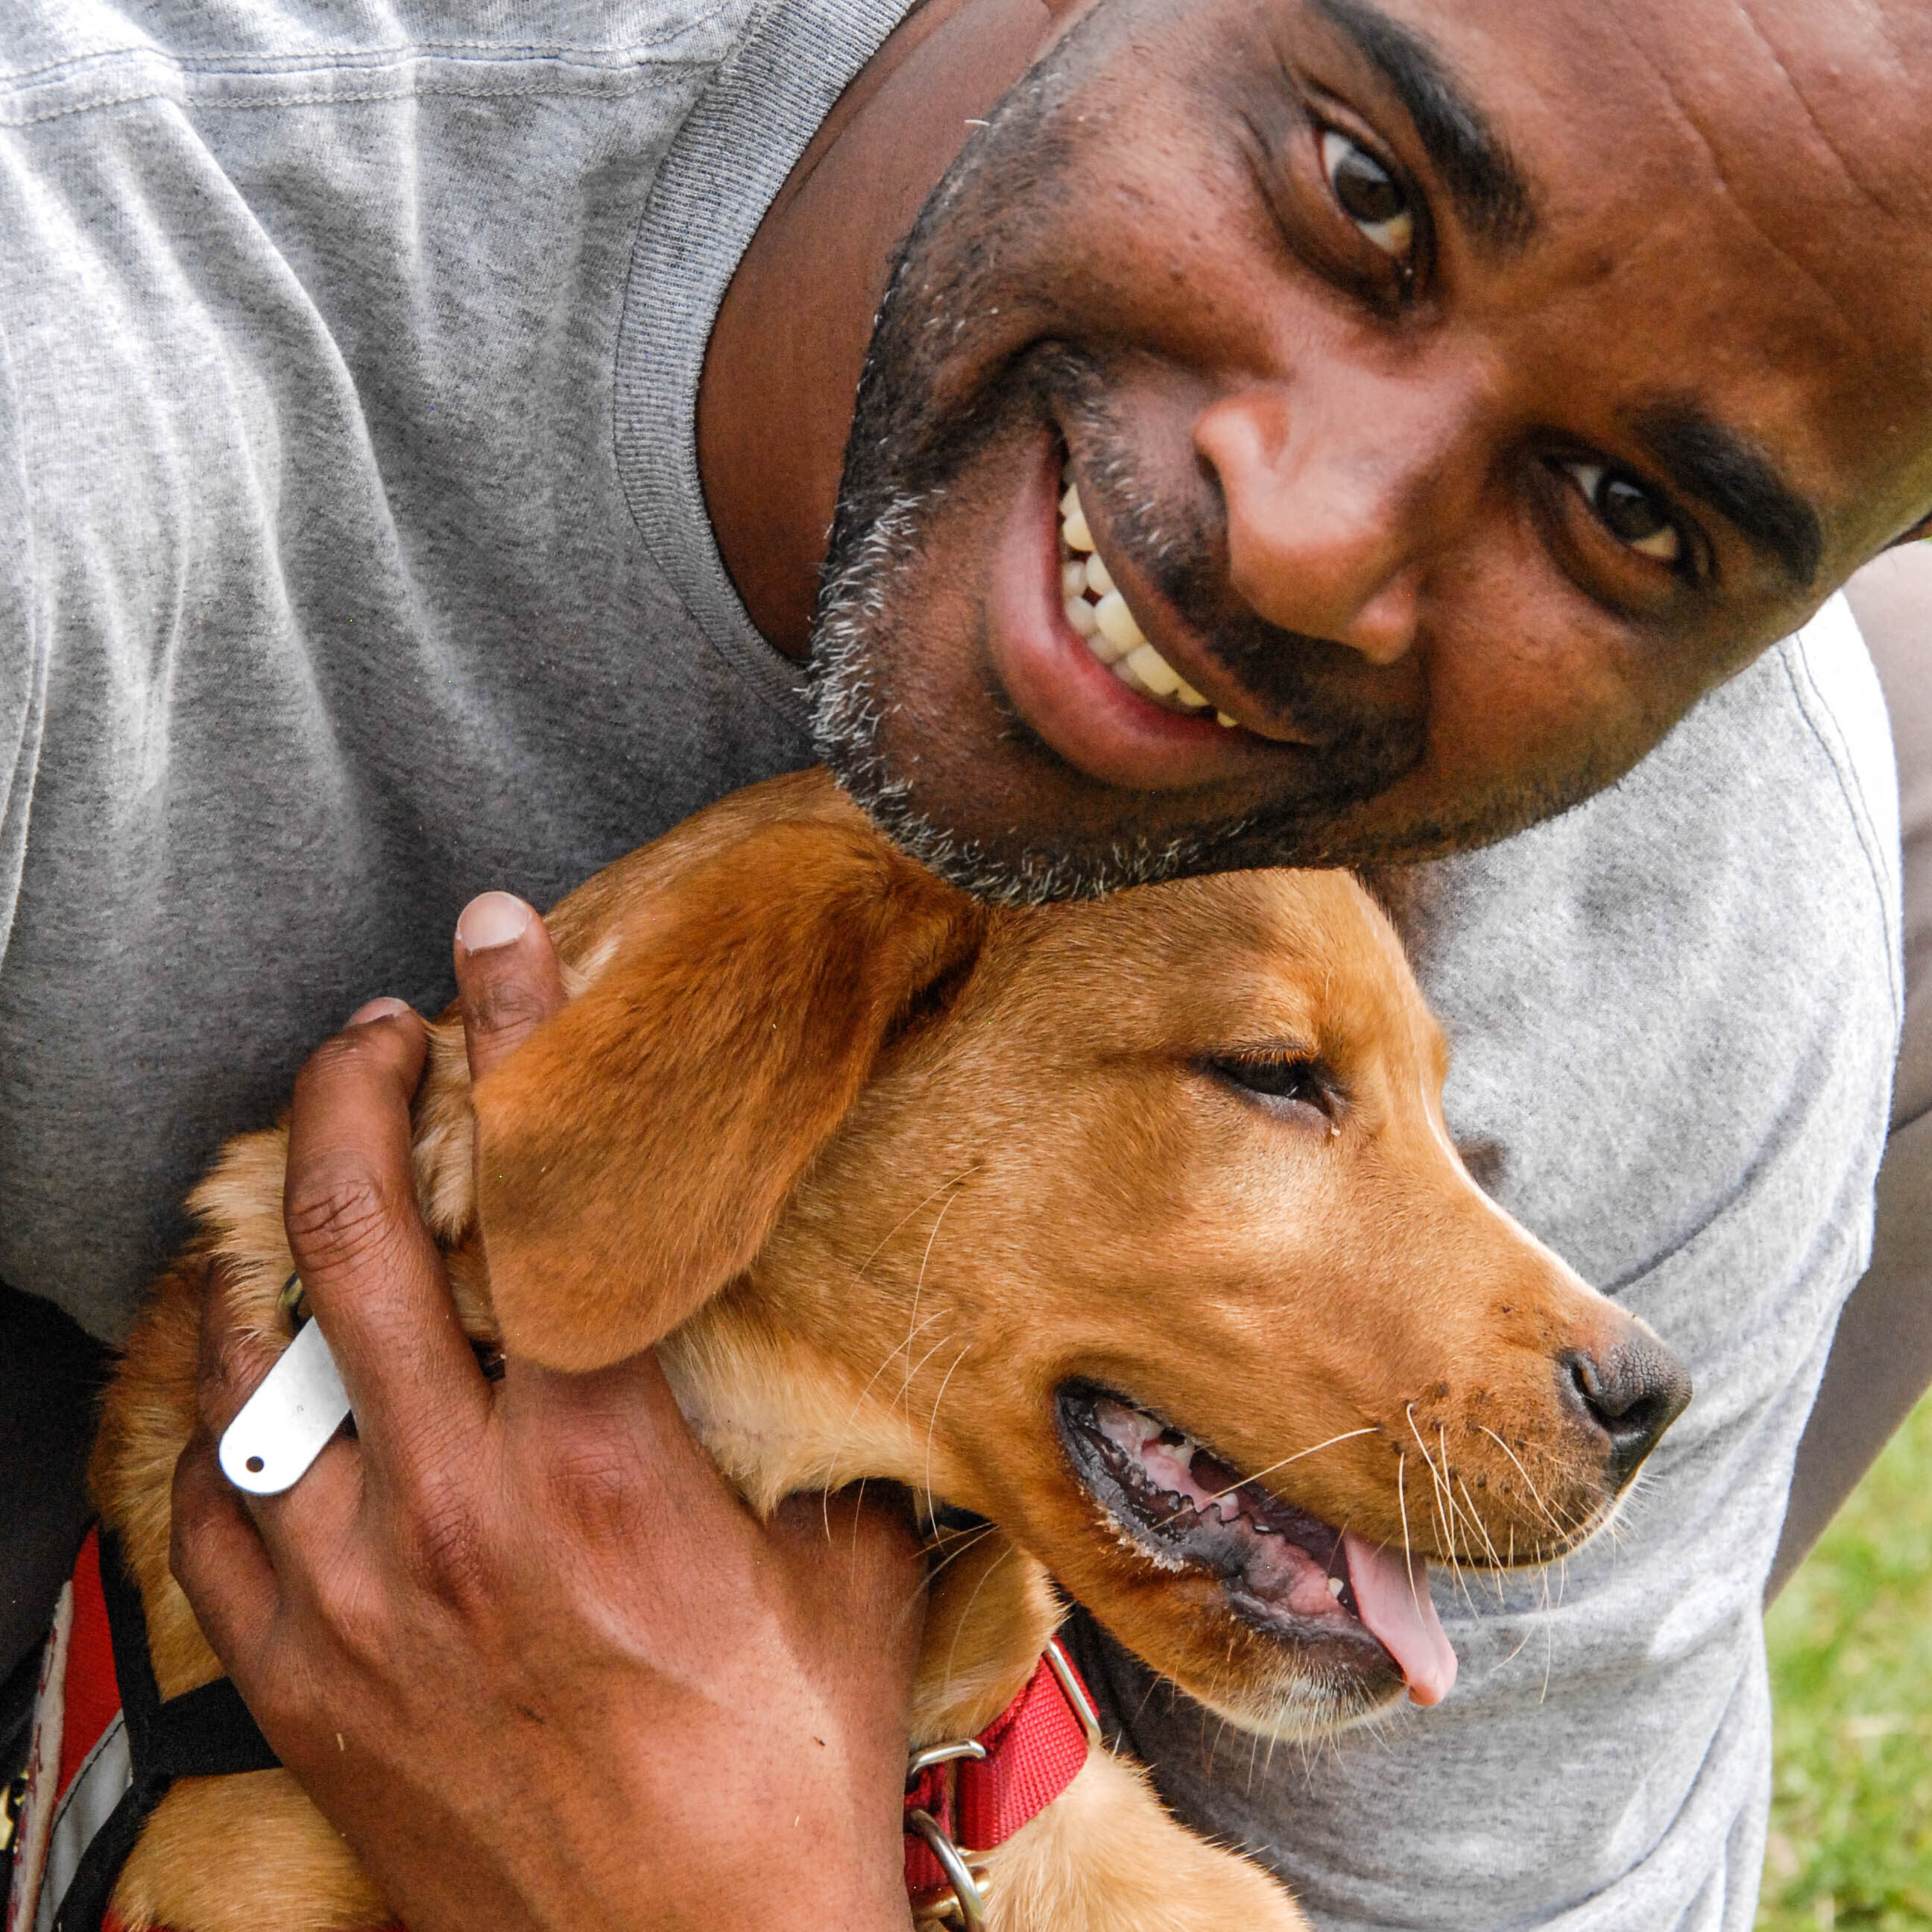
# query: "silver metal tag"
[[287, 1423]]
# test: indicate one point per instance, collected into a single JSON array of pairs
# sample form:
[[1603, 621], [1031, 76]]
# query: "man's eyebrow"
[[1728, 471], [1490, 191]]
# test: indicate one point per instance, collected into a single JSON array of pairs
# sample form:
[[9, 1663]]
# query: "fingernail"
[[494, 920], [378, 1009]]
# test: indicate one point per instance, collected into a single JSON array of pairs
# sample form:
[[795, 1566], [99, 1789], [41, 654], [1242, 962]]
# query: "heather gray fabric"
[[352, 558], [1881, 1356], [322, 604]]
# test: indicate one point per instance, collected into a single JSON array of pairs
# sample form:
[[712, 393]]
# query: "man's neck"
[[776, 397]]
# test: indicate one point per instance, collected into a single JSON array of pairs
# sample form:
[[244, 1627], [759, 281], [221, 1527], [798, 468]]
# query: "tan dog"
[[1063, 1217]]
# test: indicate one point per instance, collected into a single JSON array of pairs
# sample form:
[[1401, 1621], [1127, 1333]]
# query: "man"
[[1454, 396]]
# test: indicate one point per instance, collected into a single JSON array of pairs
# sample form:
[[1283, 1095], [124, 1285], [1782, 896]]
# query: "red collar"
[[964, 1799]]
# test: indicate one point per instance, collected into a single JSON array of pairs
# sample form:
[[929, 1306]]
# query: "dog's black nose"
[[1633, 1392]]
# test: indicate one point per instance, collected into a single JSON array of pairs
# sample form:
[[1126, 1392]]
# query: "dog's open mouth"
[[1282, 1570]]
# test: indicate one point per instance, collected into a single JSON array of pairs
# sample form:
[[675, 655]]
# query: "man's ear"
[[634, 1153]]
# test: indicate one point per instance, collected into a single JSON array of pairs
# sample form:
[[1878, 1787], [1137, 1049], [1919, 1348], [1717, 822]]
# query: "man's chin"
[[1008, 868], [947, 826]]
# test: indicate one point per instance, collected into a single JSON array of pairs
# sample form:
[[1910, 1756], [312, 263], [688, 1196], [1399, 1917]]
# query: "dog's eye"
[[1279, 1078]]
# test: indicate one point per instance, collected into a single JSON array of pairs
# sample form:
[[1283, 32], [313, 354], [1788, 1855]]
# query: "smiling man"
[[1352, 386], [1292, 430]]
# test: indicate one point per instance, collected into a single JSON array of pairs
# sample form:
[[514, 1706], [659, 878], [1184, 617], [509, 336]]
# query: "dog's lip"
[[1282, 1570], [1223, 1535]]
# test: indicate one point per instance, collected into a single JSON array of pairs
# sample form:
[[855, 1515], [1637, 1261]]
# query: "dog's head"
[[1133, 1225]]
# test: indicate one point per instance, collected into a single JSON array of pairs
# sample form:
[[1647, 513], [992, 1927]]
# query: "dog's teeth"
[[1080, 615], [1072, 579], [1335, 1586], [1100, 579], [1221, 718]]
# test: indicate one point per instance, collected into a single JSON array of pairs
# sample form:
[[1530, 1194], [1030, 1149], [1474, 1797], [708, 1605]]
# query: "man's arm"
[[518, 1640], [1881, 1359]]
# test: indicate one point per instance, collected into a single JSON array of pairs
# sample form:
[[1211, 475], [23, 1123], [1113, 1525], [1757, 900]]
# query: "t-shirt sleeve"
[[23, 671]]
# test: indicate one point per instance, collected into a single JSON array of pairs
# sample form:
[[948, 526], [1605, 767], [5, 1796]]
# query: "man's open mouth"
[[1107, 625], [1282, 1570]]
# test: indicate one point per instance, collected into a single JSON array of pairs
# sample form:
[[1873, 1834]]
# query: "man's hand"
[[518, 1640]]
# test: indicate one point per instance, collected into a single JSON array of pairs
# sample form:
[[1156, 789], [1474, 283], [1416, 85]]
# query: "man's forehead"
[[1794, 107]]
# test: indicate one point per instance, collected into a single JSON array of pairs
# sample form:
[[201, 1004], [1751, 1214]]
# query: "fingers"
[[218, 1559], [873, 1521], [857, 1554], [374, 1274], [238, 1347], [235, 1351], [507, 977]]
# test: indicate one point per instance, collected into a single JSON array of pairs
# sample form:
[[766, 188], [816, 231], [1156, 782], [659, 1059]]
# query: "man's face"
[[1454, 390]]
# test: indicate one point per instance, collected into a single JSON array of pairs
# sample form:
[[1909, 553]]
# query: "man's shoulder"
[[1701, 963], [60, 56], [1672, 1013], [1836, 687]]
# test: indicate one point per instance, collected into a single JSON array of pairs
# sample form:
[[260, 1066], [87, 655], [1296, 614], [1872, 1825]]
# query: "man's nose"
[[1632, 1391], [1333, 496]]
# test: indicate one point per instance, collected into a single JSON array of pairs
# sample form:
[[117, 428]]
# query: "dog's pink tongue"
[[1393, 1599]]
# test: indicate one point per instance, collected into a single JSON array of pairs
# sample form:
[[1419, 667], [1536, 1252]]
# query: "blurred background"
[[1851, 1675]]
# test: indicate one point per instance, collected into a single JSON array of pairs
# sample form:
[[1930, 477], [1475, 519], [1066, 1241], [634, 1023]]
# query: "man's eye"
[[1368, 195], [1628, 511]]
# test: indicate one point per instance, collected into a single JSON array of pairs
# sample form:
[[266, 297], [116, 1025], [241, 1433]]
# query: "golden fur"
[[880, 1169]]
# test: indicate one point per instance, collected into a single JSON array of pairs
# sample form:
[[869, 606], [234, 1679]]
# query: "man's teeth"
[[1099, 613]]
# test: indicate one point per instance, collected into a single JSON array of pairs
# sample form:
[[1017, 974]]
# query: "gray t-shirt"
[[352, 558]]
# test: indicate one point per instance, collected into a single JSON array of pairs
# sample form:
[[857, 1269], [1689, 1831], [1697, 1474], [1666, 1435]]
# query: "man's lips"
[[1092, 719]]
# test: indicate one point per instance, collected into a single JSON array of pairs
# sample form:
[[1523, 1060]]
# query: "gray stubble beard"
[[851, 638]]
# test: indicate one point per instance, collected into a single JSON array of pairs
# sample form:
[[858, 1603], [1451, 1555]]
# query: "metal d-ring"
[[933, 1754], [1076, 1693], [965, 1886]]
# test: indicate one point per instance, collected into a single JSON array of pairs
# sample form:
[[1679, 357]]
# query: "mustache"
[[1313, 680], [1179, 545]]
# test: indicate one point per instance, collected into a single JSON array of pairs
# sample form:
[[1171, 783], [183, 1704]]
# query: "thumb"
[[508, 979]]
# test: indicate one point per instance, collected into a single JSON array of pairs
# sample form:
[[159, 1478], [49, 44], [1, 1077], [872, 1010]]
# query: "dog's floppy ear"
[[633, 1154]]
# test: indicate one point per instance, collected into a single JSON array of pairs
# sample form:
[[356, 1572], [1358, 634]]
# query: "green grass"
[[1851, 1673]]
